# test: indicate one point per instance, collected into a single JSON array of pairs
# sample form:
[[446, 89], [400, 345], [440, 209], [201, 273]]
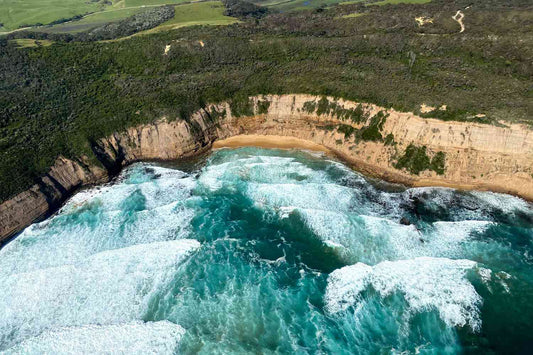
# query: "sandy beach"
[[262, 141], [286, 142]]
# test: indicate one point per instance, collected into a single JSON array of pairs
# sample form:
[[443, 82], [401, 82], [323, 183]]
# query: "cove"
[[255, 250]]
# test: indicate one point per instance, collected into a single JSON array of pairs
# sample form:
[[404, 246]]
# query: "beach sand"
[[256, 140]]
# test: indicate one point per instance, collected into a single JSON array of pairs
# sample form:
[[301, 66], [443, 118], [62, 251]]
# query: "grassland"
[[296, 5], [31, 43], [352, 15], [351, 2], [21, 13], [394, 2], [200, 13], [136, 3], [93, 20], [17, 13]]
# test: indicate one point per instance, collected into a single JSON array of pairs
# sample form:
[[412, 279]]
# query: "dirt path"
[[459, 16]]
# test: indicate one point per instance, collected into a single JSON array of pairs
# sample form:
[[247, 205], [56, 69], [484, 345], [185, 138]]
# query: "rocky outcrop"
[[372, 139], [48, 194]]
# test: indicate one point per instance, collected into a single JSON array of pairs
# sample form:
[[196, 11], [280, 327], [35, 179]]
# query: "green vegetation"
[[94, 20], [325, 107], [394, 2], [351, 2], [17, 13], [241, 106], [71, 16], [389, 139], [142, 20], [297, 5], [416, 160], [353, 15], [262, 106], [134, 3], [57, 99], [201, 13], [31, 43], [437, 163], [347, 130], [372, 132]]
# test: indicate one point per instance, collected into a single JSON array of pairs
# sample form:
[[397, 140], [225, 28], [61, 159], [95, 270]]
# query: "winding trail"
[[459, 16]]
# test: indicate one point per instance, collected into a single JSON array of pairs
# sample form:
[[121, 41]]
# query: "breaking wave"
[[269, 251]]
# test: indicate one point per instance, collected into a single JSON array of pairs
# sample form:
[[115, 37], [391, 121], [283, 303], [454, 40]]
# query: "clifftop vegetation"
[[54, 99]]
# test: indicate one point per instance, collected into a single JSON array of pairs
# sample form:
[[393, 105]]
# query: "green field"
[[355, 14], [394, 2], [17, 13], [350, 2], [93, 20], [296, 5], [200, 13], [31, 43], [134, 3]]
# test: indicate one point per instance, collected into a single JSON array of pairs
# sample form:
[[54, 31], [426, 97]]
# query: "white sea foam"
[[460, 230], [91, 233], [127, 338], [443, 193], [109, 287], [485, 274], [162, 187], [502, 277], [329, 197], [110, 217], [373, 239], [258, 169], [506, 203], [426, 284]]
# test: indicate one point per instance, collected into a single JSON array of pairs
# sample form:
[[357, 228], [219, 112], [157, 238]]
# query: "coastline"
[[287, 142], [473, 156], [269, 141]]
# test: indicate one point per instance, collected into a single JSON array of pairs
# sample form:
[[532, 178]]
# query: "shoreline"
[[288, 142], [475, 157], [269, 141]]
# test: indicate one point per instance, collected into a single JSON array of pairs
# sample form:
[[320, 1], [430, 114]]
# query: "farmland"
[[66, 14], [15, 13], [201, 13]]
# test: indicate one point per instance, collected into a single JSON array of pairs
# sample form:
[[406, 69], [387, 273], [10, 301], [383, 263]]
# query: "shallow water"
[[270, 251]]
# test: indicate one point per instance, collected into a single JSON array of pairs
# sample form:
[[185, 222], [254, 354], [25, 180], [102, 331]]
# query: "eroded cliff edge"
[[392, 145]]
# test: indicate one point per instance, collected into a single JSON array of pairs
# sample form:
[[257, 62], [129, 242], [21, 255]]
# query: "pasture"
[[93, 20], [17, 13], [200, 13]]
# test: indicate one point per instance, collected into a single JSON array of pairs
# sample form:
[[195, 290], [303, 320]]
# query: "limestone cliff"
[[371, 138]]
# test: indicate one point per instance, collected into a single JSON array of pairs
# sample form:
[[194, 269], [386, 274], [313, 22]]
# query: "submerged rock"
[[405, 221]]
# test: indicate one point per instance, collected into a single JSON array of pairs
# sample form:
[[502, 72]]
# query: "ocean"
[[267, 251]]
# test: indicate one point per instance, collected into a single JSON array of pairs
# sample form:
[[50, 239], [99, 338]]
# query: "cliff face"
[[47, 195], [371, 138]]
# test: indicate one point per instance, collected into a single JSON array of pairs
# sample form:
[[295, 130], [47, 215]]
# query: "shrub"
[[416, 160]]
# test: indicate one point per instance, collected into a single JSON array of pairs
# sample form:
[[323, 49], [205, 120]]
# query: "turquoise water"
[[270, 251]]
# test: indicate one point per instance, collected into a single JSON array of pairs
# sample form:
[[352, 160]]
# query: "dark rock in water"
[[405, 221]]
